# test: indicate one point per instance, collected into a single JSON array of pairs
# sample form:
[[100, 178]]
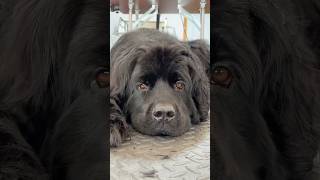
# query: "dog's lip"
[[164, 133], [161, 129], [164, 130]]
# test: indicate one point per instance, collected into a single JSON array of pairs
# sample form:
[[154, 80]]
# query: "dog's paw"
[[205, 116], [118, 130], [115, 137]]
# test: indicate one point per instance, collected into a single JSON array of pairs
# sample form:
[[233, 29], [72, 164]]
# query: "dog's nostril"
[[157, 114], [170, 114]]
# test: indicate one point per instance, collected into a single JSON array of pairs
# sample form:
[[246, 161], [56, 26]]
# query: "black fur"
[[159, 61], [52, 114], [267, 121]]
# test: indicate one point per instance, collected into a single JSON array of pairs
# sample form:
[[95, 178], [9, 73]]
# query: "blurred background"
[[185, 19]]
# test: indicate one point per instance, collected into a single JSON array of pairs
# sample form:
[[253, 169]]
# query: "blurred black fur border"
[[267, 122]]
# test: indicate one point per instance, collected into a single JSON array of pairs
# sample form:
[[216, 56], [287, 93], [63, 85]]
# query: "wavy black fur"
[[52, 115]]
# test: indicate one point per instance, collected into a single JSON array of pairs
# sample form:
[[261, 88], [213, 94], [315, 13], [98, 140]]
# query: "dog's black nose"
[[163, 112]]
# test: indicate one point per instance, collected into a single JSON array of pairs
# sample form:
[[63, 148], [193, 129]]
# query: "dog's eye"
[[179, 86], [102, 79], [221, 76], [142, 87]]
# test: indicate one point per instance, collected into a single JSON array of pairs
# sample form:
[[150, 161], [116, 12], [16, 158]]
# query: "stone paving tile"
[[144, 157]]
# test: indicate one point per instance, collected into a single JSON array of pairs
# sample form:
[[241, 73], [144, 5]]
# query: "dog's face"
[[160, 93], [162, 85]]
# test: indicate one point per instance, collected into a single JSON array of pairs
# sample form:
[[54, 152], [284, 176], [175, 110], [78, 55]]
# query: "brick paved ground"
[[144, 157]]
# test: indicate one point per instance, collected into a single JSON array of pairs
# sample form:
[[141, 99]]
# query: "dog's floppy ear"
[[290, 91], [123, 61], [201, 49], [199, 71]]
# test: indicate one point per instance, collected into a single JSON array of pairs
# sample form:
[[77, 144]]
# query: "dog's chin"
[[148, 127]]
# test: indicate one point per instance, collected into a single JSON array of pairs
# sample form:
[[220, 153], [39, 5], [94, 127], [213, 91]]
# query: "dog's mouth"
[[164, 132], [150, 126], [166, 129]]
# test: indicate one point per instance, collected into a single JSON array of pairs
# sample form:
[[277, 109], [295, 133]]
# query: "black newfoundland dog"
[[158, 84], [265, 89], [53, 89]]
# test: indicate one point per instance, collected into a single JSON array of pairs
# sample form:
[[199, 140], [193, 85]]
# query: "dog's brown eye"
[[179, 86], [221, 76], [142, 87], [102, 79]]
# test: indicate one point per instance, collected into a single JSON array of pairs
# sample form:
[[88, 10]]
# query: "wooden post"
[[185, 29]]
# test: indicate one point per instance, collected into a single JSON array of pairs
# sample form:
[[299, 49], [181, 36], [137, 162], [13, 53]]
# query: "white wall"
[[173, 20]]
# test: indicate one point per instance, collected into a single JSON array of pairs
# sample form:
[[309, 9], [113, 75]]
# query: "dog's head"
[[160, 82]]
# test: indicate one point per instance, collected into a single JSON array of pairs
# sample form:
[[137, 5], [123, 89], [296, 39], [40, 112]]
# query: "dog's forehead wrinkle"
[[163, 52], [161, 69]]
